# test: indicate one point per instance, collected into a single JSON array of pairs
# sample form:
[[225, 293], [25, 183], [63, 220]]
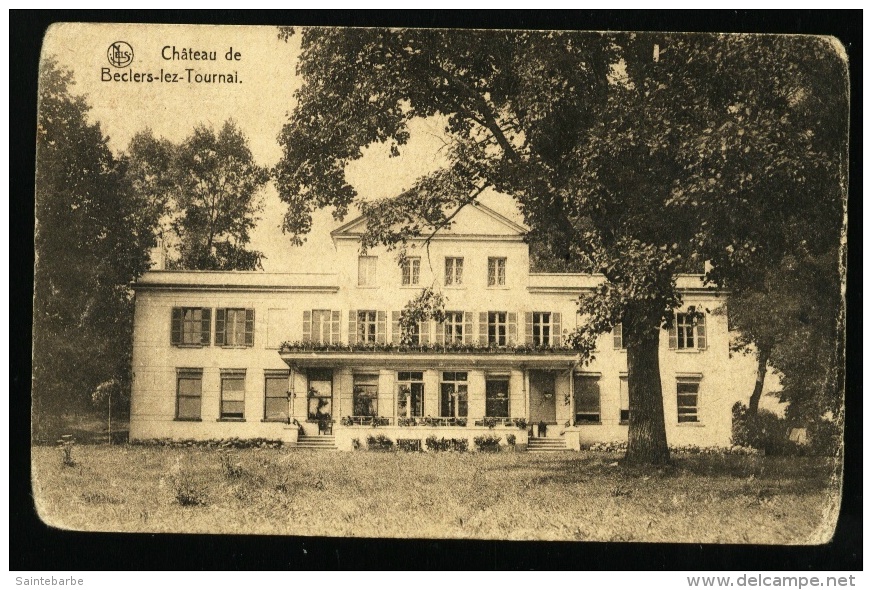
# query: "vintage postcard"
[[432, 283]]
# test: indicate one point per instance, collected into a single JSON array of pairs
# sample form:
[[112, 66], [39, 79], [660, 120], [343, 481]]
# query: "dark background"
[[36, 547]]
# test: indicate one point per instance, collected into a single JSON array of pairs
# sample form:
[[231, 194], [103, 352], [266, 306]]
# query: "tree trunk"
[[754, 402], [647, 437]]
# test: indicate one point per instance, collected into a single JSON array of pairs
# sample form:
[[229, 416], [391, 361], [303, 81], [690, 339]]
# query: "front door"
[[320, 394], [543, 407]]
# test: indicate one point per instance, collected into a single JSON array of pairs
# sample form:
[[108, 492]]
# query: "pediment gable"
[[476, 220]]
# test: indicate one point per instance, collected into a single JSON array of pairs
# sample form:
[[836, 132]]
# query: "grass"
[[567, 496]]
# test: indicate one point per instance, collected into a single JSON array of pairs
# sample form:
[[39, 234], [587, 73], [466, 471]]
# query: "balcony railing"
[[431, 421], [371, 347]]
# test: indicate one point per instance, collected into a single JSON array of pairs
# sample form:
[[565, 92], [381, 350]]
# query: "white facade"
[[220, 373]]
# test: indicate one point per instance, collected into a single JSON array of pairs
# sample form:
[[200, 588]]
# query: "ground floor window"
[[410, 394], [587, 399], [624, 391], [454, 395], [320, 394], [496, 403], [365, 395], [233, 394], [189, 393], [275, 396], [688, 400]]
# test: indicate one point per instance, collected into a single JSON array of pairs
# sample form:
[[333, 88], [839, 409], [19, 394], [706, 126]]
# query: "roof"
[[475, 220]]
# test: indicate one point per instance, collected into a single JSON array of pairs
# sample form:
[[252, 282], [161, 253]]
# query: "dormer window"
[[496, 272], [411, 270], [366, 271]]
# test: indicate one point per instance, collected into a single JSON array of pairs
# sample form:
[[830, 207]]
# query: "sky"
[[259, 102]]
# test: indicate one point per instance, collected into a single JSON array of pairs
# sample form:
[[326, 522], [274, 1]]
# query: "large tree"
[[791, 324], [644, 154], [91, 241], [203, 194]]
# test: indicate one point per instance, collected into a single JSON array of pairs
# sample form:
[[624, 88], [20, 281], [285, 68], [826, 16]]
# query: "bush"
[[188, 492], [379, 443], [446, 444], [409, 444], [764, 431], [510, 439], [825, 438], [212, 443], [231, 469], [521, 423], [488, 444], [355, 444]]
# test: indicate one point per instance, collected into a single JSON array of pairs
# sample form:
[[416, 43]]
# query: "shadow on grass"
[[799, 475]]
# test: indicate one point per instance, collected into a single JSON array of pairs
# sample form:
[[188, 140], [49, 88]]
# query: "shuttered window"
[[191, 326], [453, 327], [618, 337], [321, 326], [234, 327]]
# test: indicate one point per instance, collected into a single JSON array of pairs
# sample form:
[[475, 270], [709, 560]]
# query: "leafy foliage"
[[204, 193], [640, 154], [92, 239]]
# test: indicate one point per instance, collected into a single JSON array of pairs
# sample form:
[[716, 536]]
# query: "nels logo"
[[120, 54]]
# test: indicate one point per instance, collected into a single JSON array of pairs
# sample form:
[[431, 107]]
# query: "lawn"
[[566, 496]]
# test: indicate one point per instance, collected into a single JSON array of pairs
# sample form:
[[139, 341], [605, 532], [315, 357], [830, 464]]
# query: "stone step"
[[546, 445], [317, 442]]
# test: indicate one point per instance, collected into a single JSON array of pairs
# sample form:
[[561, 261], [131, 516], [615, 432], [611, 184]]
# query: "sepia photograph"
[[432, 283]]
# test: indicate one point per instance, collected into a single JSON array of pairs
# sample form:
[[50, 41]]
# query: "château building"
[[318, 357]]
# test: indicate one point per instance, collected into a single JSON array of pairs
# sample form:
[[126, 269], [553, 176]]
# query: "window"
[[366, 395], [366, 326], [275, 394], [411, 268], [320, 394], [496, 403], [413, 335], [234, 327], [587, 399], [618, 337], [366, 269], [496, 272], [688, 400], [321, 325], [454, 271], [410, 394], [688, 331], [496, 328], [541, 329], [189, 393], [624, 393], [233, 394], [453, 327], [454, 395], [191, 326]]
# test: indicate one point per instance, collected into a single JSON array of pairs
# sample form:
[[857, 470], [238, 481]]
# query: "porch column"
[[572, 395], [526, 395]]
